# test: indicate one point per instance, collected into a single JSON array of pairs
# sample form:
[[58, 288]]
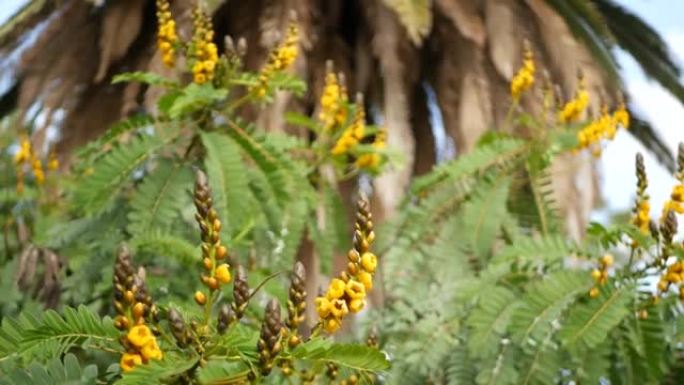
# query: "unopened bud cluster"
[[216, 273], [296, 303], [269, 344]]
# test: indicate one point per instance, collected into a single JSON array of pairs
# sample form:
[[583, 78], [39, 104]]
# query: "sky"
[[650, 100]]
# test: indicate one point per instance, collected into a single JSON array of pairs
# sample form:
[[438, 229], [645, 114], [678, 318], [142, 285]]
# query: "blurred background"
[[615, 171]]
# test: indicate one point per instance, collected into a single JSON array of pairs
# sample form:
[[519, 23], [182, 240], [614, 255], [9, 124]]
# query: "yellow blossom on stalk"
[[348, 292], [166, 33], [333, 100], [371, 161], [600, 274], [676, 201], [279, 59], [24, 153], [524, 79], [573, 109], [353, 134], [37, 167], [605, 127], [621, 115], [53, 162], [204, 52]]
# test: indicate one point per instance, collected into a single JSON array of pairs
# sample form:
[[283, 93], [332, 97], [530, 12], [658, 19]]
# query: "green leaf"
[[483, 215], [590, 323], [168, 245], [143, 77], [228, 180], [156, 372], [195, 97], [544, 303], [31, 332], [544, 249], [55, 372], [112, 171], [352, 356], [489, 321], [158, 200], [222, 372]]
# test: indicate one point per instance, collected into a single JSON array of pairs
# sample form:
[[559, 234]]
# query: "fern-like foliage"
[[544, 303], [29, 333], [159, 199], [230, 184], [56, 372], [110, 173], [489, 321], [157, 372], [588, 324]]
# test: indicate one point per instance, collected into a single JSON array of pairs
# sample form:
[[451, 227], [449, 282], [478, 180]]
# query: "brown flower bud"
[[269, 340], [241, 292]]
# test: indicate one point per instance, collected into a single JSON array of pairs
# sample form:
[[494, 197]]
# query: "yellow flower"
[[368, 161], [595, 274], [151, 351], [129, 361], [366, 279], [594, 292], [331, 325], [336, 289], [323, 306], [369, 262], [280, 59], [353, 134], [166, 33], [524, 79], [339, 308], [621, 116], [574, 108], [200, 298], [330, 99], [607, 260], [24, 153], [140, 335], [222, 273], [355, 290], [204, 52], [356, 305]]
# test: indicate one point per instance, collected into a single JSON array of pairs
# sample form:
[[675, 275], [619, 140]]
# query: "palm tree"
[[396, 52]]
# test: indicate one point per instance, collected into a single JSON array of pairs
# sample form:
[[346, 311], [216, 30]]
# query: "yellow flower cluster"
[[600, 275], [524, 79], [204, 51], [573, 109], [371, 161], [348, 292], [605, 127], [142, 347], [673, 275], [279, 59], [166, 33], [354, 133], [26, 156], [333, 101], [676, 201]]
